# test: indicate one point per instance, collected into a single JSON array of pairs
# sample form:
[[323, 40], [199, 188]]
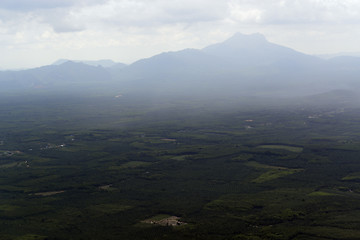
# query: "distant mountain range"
[[106, 63], [242, 65]]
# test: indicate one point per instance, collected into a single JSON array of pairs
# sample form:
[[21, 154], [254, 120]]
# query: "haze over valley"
[[243, 65]]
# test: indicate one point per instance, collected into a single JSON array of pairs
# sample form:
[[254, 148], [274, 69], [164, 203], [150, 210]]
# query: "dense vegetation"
[[105, 167]]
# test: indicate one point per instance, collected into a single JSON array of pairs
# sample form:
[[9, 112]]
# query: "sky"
[[39, 32]]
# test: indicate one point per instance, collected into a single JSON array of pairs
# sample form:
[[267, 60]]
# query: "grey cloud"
[[61, 20], [78, 15], [189, 11], [65, 28], [139, 13], [30, 5], [25, 5]]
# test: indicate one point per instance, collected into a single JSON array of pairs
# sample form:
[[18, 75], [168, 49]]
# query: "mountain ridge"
[[106, 63], [242, 64]]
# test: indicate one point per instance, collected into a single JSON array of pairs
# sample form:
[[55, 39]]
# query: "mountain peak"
[[255, 50], [255, 36], [103, 62], [240, 40]]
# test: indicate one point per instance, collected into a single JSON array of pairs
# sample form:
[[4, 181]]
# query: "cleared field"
[[263, 166], [132, 164], [283, 147], [110, 208], [275, 174], [322, 194], [164, 220], [352, 176]]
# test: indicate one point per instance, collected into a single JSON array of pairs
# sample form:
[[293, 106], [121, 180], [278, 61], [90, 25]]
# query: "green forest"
[[136, 167]]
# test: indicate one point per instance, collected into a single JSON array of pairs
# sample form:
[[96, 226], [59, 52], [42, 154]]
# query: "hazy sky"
[[38, 32]]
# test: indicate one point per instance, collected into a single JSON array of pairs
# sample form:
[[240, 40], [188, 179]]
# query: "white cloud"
[[244, 13], [144, 14], [126, 30]]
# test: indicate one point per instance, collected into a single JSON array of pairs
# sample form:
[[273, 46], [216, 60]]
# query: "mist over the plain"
[[241, 68]]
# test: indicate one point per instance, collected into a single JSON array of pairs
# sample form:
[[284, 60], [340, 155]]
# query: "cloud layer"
[[103, 28]]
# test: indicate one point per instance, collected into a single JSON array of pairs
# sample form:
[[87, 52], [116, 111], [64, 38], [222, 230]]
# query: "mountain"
[[345, 62], [241, 65], [341, 54], [64, 76], [240, 52], [173, 65], [254, 50], [106, 63]]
